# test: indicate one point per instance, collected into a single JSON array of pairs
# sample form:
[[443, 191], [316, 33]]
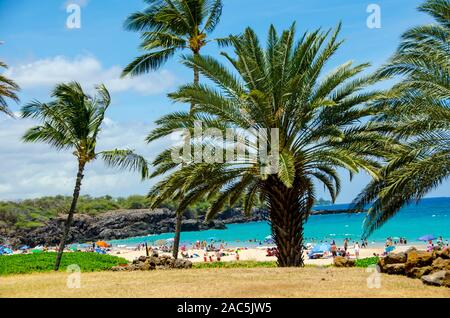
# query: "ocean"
[[429, 216]]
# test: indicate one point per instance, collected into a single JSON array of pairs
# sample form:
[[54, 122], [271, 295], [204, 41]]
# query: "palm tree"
[[8, 89], [72, 121], [419, 107], [169, 26], [281, 87]]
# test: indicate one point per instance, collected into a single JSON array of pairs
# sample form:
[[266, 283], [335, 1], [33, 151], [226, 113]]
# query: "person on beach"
[[333, 250], [218, 255], [440, 242], [237, 254], [345, 245], [357, 250]]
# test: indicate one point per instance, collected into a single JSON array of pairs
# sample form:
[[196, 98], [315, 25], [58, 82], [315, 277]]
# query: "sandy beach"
[[257, 254]]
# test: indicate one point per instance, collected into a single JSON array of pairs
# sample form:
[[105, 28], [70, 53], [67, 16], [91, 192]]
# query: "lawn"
[[44, 262], [224, 282]]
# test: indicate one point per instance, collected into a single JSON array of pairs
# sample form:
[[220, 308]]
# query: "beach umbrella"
[[100, 251], [390, 248], [7, 250], [428, 237], [320, 248], [102, 244]]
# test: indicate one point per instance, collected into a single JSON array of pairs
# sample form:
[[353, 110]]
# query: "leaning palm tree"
[[419, 106], [72, 121], [316, 120], [167, 27], [8, 89]]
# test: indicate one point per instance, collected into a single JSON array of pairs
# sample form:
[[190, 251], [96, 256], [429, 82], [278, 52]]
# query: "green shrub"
[[366, 262], [44, 262]]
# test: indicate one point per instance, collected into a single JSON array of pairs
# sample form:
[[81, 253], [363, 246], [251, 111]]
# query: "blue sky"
[[40, 50]]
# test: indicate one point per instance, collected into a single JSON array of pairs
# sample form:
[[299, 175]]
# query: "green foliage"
[[8, 89], [45, 262], [167, 27], [319, 116], [72, 120], [418, 106], [366, 262]]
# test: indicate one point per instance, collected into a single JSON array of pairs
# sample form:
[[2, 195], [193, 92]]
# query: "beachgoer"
[[345, 244], [357, 250], [333, 250], [218, 255], [237, 255]]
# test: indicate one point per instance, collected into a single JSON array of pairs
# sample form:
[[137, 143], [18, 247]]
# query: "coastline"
[[259, 254]]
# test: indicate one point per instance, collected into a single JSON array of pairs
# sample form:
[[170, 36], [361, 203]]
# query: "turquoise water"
[[430, 216]]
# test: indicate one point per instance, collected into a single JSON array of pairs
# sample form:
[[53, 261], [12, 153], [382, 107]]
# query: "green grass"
[[44, 262], [366, 262]]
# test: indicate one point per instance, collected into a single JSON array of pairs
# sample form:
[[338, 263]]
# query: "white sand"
[[256, 254]]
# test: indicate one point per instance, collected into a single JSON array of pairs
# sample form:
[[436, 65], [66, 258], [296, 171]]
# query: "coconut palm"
[[72, 121], [283, 87], [170, 26], [419, 107], [8, 89], [167, 27]]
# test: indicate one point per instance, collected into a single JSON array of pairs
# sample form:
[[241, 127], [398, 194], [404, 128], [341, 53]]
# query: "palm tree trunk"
[[179, 218], [73, 206], [287, 213], [176, 242]]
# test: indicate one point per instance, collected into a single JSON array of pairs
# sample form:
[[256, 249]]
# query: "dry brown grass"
[[249, 282]]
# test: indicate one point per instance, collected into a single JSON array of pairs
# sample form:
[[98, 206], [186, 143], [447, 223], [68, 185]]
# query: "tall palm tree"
[[281, 87], [167, 27], [8, 89], [72, 121], [419, 106]]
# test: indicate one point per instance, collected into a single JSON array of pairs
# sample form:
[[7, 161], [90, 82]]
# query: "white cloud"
[[89, 72], [34, 170]]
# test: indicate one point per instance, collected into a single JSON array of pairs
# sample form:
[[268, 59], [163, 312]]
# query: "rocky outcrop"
[[123, 224], [393, 259], [154, 262], [394, 269], [441, 278], [340, 261], [418, 259], [433, 268]]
